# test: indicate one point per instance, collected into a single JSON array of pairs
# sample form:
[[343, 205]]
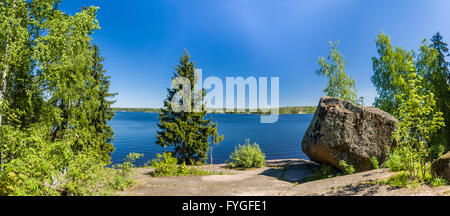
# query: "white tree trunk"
[[3, 89], [4, 79]]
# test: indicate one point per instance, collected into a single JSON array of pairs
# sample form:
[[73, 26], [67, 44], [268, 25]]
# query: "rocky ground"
[[278, 178]]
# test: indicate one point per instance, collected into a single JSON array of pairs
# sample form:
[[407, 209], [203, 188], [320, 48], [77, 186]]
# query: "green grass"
[[404, 180]]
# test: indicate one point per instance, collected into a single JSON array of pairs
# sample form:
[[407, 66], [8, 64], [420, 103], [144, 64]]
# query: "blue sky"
[[143, 39]]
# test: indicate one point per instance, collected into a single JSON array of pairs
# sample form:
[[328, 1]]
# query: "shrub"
[[395, 162], [247, 156], [88, 177], [374, 162], [74, 175], [348, 169], [166, 165]]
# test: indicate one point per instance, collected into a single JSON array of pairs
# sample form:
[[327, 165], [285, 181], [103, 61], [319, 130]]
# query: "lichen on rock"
[[341, 130]]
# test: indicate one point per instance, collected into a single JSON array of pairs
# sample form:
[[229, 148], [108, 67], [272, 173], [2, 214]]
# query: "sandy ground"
[[278, 178]]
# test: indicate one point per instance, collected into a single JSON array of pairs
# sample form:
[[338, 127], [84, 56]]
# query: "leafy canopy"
[[339, 85]]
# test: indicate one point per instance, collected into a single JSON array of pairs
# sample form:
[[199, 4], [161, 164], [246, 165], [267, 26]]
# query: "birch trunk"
[[4, 80]]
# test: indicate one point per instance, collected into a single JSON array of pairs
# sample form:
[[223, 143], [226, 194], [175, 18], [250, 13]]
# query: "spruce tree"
[[97, 105], [439, 84], [100, 111], [188, 132]]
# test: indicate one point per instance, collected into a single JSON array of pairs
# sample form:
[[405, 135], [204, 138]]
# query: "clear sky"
[[142, 40]]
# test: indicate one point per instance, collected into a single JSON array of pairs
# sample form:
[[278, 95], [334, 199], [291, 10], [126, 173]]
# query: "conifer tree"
[[187, 131], [100, 111], [438, 81]]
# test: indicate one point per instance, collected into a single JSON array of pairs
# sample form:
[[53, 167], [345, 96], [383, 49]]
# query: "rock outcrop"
[[441, 167], [341, 130]]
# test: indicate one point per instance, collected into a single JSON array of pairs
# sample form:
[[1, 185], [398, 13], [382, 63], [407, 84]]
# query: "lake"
[[136, 131]]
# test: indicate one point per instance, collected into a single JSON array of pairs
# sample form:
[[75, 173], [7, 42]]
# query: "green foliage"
[[406, 86], [389, 70], [247, 156], [167, 165], [396, 161], [400, 180], [188, 132], [54, 96], [437, 80], [437, 181], [339, 85], [392, 74], [403, 179], [374, 162], [418, 120], [44, 172], [348, 169], [87, 177], [99, 104]]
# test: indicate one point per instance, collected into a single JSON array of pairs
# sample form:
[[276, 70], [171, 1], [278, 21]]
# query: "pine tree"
[[188, 132]]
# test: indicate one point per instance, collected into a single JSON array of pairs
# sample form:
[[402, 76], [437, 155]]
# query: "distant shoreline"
[[283, 110]]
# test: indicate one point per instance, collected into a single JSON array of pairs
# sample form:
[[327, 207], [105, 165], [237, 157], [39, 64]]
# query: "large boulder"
[[441, 167], [341, 130]]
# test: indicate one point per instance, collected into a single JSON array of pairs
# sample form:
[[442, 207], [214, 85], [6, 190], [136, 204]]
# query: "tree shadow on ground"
[[290, 171], [360, 190]]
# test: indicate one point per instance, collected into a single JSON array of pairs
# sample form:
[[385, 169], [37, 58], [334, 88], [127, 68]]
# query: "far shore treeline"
[[283, 110]]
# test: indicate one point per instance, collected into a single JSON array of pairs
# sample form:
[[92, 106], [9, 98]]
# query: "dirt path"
[[278, 178]]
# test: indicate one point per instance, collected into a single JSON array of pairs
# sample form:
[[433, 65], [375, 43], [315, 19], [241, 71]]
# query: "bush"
[[247, 156], [374, 162], [348, 169], [43, 173], [88, 177], [166, 165], [395, 162]]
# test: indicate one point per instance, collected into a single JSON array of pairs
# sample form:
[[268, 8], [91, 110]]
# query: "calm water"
[[135, 132]]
